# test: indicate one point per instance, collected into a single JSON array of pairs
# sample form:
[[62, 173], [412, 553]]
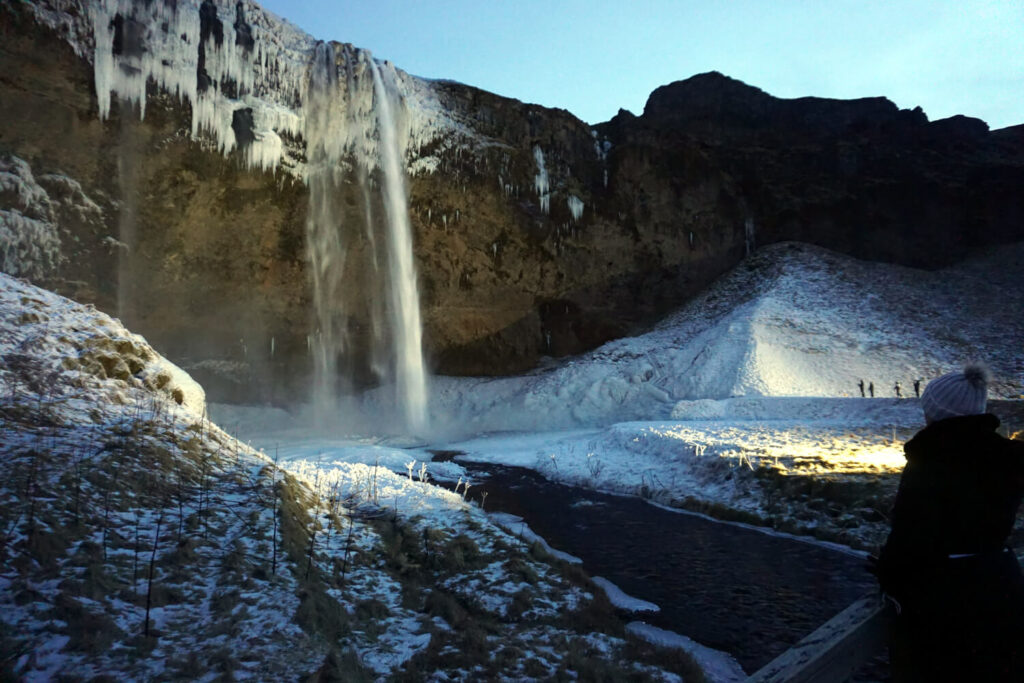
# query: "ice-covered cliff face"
[[244, 72], [30, 242]]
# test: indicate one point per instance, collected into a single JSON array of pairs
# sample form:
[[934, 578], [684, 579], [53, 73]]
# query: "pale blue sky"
[[593, 57]]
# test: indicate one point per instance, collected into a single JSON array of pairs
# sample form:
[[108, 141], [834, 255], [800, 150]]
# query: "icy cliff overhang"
[[244, 72]]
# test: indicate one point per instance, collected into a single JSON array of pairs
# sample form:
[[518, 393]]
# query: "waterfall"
[[354, 169], [323, 235], [343, 124], [410, 376]]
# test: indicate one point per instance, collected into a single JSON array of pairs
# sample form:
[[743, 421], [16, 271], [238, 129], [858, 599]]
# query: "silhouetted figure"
[[860, 385], [897, 389], [946, 563], [871, 389], [917, 388]]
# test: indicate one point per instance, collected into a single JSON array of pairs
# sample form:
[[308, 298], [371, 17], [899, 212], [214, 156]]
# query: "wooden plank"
[[835, 650]]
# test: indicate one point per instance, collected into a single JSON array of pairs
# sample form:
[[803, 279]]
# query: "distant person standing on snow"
[[871, 389], [897, 389], [959, 589], [917, 388], [860, 385]]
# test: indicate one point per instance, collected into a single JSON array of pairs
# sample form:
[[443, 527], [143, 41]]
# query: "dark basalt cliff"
[[858, 176], [217, 267]]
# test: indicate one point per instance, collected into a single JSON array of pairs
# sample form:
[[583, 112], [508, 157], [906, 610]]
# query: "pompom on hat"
[[956, 394]]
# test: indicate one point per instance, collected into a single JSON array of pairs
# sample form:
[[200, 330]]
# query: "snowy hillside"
[[792, 320], [138, 541], [744, 403]]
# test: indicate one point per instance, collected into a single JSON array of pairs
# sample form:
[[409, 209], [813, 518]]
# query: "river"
[[736, 589]]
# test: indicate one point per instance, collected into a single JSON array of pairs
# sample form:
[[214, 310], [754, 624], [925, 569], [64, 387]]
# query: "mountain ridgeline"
[[533, 233]]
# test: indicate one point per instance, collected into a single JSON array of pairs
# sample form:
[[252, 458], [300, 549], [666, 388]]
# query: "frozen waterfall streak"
[[410, 374], [323, 235]]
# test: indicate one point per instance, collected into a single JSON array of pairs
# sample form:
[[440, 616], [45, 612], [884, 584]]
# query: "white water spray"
[[410, 375]]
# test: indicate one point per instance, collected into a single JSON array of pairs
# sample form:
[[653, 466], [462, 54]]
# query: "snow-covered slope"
[[138, 541], [45, 338], [792, 320]]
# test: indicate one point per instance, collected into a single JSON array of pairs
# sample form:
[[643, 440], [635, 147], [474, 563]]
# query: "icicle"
[[575, 207], [239, 68], [540, 181]]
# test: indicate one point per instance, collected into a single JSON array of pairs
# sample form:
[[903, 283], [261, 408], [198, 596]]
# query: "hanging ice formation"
[[252, 82], [240, 77], [575, 207], [540, 181], [243, 71]]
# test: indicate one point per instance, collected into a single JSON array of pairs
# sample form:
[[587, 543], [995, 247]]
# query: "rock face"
[[534, 235], [859, 176]]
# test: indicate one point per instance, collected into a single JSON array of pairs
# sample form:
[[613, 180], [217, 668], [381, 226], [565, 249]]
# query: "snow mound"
[[718, 666], [47, 341], [792, 320], [621, 599]]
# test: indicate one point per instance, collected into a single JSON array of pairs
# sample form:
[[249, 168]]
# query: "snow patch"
[[621, 599], [515, 525], [718, 666], [85, 347]]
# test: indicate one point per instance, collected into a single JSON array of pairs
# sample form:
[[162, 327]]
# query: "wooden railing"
[[838, 647], [835, 650]]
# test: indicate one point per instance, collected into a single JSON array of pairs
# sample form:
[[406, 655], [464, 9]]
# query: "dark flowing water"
[[747, 593]]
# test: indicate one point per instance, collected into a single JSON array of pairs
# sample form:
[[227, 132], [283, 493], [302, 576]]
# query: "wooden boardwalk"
[[835, 650], [838, 647]]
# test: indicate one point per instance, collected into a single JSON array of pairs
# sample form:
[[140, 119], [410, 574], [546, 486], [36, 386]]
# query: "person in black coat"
[[957, 587]]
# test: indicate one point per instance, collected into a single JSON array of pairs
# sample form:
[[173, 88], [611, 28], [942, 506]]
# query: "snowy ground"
[[739, 406], [743, 404], [141, 542]]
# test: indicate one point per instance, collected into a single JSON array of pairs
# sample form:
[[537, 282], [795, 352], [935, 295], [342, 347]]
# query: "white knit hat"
[[956, 394]]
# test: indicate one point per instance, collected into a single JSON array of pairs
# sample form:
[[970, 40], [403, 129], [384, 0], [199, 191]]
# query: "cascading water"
[[323, 236], [253, 90], [353, 140], [410, 375]]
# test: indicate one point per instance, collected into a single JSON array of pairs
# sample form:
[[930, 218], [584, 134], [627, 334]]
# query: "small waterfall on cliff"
[[359, 236], [323, 237], [128, 170]]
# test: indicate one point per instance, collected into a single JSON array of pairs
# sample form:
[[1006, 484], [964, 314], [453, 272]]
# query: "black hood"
[[950, 437]]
